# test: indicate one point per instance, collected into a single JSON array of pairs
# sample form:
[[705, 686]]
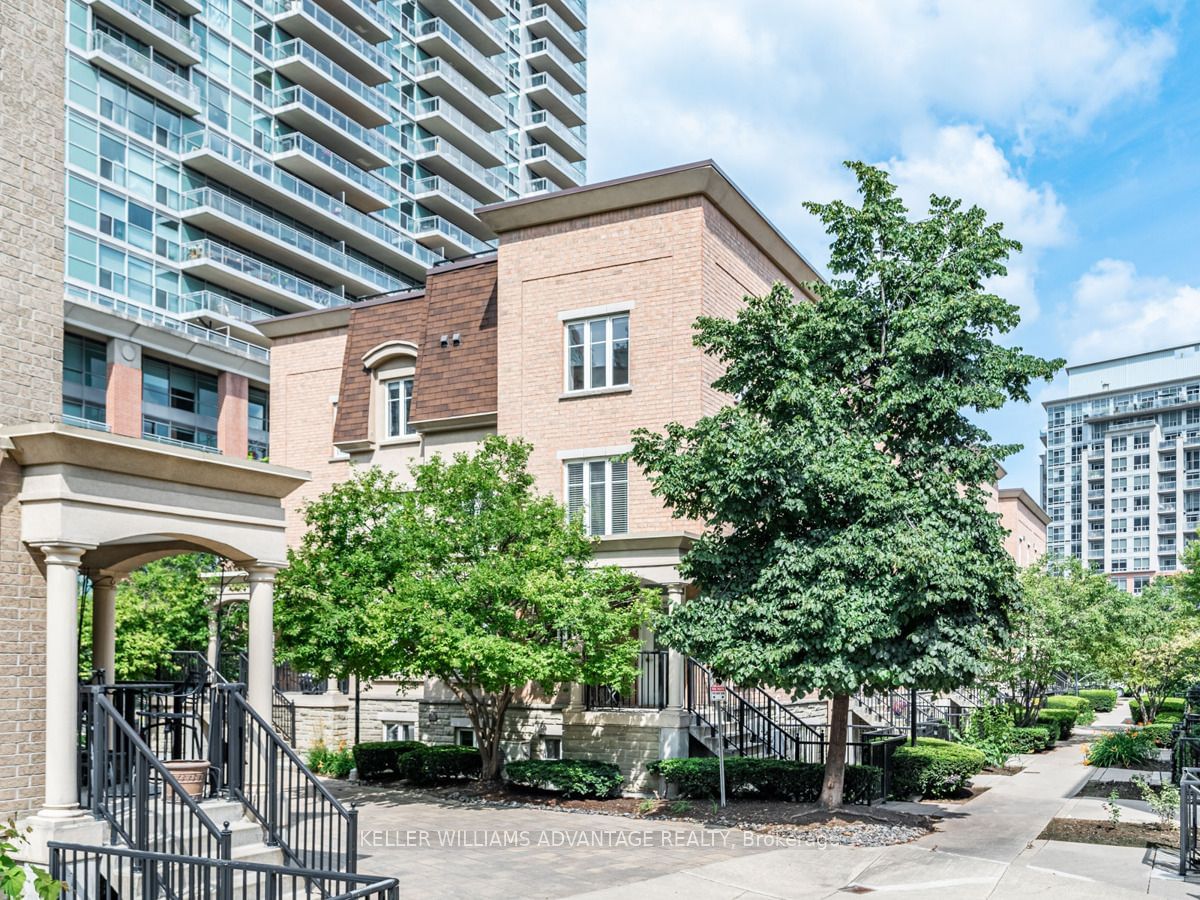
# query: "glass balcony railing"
[[163, 24], [328, 68], [269, 275], [339, 30], [541, 45], [544, 12], [278, 231], [437, 106], [540, 185], [485, 24], [452, 76], [343, 167], [140, 313], [543, 80], [442, 186], [322, 109], [441, 147], [218, 305], [147, 67], [468, 50], [572, 136], [453, 232], [542, 151]]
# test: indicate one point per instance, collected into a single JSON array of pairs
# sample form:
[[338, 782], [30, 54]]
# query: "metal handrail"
[[124, 872]]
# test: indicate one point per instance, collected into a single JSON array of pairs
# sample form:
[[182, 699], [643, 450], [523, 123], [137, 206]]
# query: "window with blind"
[[598, 493], [598, 353], [399, 404]]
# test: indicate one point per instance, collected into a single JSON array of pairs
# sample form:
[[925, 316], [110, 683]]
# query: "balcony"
[[300, 62], [1096, 512], [439, 117], [438, 39], [545, 129], [549, 163], [544, 56], [366, 17], [547, 93], [544, 22], [443, 158], [235, 221], [306, 112], [464, 18], [439, 196], [186, 7], [572, 11], [142, 21], [1094, 553], [447, 238], [144, 315], [539, 186], [143, 72], [1167, 484], [1166, 506], [303, 156], [438, 77], [239, 272], [1095, 492], [306, 20], [210, 309]]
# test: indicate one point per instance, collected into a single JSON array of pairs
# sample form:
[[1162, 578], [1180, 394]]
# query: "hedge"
[[1102, 699], [571, 777], [431, 764], [764, 779], [1173, 707], [381, 759], [1162, 734], [1030, 740], [934, 768], [1084, 713], [1062, 719]]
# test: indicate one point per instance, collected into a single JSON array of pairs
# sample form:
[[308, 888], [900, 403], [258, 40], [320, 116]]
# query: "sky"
[[1074, 123]]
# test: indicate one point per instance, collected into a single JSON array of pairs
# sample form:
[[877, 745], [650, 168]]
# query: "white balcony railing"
[[268, 275], [160, 75]]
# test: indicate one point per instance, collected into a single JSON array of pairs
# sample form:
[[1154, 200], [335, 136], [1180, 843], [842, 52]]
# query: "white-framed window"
[[598, 492], [464, 737], [597, 352], [399, 731], [551, 748], [398, 398]]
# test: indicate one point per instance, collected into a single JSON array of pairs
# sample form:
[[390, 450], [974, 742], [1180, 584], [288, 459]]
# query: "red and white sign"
[[716, 692]]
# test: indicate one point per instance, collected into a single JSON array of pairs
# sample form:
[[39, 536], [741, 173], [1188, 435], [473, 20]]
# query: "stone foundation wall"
[[631, 739]]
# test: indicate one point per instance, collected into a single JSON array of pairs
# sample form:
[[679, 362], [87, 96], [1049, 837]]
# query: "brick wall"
[[31, 298]]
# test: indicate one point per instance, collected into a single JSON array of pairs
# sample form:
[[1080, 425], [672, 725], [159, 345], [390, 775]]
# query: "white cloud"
[[1114, 311]]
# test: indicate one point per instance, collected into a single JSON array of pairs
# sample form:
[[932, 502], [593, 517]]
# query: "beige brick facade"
[[31, 270]]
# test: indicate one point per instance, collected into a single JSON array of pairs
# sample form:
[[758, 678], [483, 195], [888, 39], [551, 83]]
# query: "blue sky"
[[1075, 123]]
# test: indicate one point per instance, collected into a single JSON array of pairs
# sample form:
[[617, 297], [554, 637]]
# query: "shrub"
[[1102, 699], [381, 759], [571, 777], [764, 779], [1084, 714], [1168, 718], [1121, 749], [1161, 734], [1030, 740], [335, 763], [431, 764], [990, 729], [1062, 719], [934, 768], [1172, 707]]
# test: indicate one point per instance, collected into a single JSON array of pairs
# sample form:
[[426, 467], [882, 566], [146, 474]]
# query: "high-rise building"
[[234, 160], [1121, 466]]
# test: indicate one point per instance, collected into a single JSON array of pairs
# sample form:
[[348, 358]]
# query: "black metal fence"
[[648, 690], [105, 873]]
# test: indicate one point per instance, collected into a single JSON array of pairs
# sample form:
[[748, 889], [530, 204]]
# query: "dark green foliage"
[[1168, 719], [764, 779], [1172, 708], [1030, 739], [934, 768], [1062, 719], [1162, 734], [989, 729], [379, 760], [336, 762], [570, 777], [1121, 749], [1084, 712], [446, 762], [1102, 699]]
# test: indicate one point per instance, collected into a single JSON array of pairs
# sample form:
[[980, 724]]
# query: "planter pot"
[[191, 775]]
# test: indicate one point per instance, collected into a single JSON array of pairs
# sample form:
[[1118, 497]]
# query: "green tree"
[[846, 542], [471, 577], [1070, 619], [1157, 650]]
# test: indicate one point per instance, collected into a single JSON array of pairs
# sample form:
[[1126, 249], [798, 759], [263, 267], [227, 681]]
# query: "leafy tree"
[[1157, 651], [1068, 620], [471, 577], [846, 541]]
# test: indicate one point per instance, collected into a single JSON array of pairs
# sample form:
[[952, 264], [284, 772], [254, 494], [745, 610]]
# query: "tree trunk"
[[835, 753]]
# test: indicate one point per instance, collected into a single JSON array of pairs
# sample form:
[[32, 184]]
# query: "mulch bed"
[[1123, 834], [1004, 770], [1126, 790]]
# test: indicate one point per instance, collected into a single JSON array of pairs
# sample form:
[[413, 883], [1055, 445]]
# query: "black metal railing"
[[290, 681], [134, 790], [648, 690], [1189, 820], [256, 766], [283, 715], [751, 722], [104, 873]]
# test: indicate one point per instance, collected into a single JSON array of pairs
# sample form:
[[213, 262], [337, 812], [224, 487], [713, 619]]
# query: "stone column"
[[675, 719], [62, 681], [104, 626], [261, 675], [676, 661]]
